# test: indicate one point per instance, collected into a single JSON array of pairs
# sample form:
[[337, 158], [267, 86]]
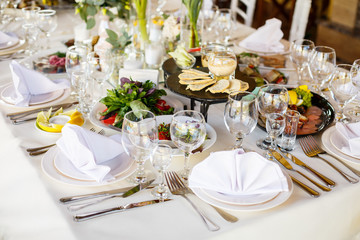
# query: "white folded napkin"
[[350, 134], [29, 82], [88, 151], [5, 38], [140, 75], [266, 38], [238, 173]]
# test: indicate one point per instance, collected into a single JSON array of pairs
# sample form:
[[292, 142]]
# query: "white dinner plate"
[[278, 199], [48, 167], [99, 107], [14, 40], [42, 100], [339, 142], [329, 147], [13, 49]]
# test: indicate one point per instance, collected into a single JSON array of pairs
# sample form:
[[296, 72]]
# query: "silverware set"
[[40, 150]]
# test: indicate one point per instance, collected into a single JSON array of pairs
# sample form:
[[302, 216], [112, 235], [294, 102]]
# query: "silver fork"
[[177, 187], [40, 150], [312, 149]]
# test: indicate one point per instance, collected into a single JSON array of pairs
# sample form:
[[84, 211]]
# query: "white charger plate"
[[13, 49], [280, 198], [42, 100], [339, 142], [48, 167], [329, 147], [14, 40]]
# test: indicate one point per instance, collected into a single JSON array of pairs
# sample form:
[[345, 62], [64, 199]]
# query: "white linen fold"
[[29, 82], [350, 134], [238, 173], [87, 151], [266, 38], [5, 38]]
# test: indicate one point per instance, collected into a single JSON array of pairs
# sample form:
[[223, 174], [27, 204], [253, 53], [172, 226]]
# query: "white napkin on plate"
[[238, 173], [350, 134], [88, 150], [29, 82], [140, 75], [266, 38], [5, 38]]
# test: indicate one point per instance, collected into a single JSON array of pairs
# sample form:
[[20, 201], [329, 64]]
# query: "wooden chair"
[[248, 14], [299, 19]]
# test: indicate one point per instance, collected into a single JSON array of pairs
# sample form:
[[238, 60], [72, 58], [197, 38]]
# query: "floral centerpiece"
[[193, 8], [171, 32]]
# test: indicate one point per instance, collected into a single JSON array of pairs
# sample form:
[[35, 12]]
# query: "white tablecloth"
[[30, 208]]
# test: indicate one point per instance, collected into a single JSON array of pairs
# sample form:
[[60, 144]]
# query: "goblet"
[[47, 23], [300, 52], [139, 139], [272, 98], [342, 89], [240, 115], [188, 132], [322, 63], [224, 22], [161, 160], [222, 64], [275, 125], [355, 78], [208, 49]]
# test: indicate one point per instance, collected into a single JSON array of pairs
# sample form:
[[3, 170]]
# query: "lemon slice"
[[43, 120], [60, 110], [293, 97], [76, 118]]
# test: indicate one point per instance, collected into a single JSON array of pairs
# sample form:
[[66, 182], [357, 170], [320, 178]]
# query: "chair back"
[[299, 19], [247, 14]]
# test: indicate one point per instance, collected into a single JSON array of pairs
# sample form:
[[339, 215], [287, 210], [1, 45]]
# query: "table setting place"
[[132, 116]]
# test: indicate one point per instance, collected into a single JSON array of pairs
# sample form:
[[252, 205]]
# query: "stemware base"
[[137, 179], [160, 192], [263, 144]]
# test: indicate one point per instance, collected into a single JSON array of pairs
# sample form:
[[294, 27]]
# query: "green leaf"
[[111, 34], [111, 15], [90, 23], [91, 10]]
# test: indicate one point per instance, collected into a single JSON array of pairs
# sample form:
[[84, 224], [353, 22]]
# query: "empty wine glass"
[[342, 89], [275, 125], [300, 52], [322, 62], [355, 77], [100, 69], [75, 60], [139, 139], [224, 22], [272, 98], [188, 132], [240, 115], [47, 23], [161, 160]]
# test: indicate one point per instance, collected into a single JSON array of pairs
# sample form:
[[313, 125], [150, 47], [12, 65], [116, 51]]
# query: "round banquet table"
[[30, 208]]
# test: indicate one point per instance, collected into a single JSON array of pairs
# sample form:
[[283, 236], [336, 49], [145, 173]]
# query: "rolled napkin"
[[266, 38], [29, 82], [350, 136], [5, 38], [87, 151], [238, 173]]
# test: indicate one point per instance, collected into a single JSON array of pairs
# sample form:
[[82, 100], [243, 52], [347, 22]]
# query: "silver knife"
[[326, 180], [28, 112], [120, 191], [90, 215]]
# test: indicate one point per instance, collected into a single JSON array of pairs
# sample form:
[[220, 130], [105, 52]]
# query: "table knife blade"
[[90, 215]]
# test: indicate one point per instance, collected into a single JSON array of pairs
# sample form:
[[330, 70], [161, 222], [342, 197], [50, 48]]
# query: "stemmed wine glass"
[[272, 98], [224, 22], [240, 115], [355, 78], [275, 125], [47, 23], [322, 62], [100, 69], [161, 160], [342, 89], [188, 132], [300, 52], [139, 139]]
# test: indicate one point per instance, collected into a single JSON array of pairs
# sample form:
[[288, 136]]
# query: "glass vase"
[[190, 34]]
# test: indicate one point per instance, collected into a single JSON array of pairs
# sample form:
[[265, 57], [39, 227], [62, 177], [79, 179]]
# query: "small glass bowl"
[[192, 63]]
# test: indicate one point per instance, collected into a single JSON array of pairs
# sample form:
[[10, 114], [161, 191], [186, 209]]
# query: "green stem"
[[143, 30], [194, 36]]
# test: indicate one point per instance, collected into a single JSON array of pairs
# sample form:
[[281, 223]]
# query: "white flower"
[[171, 28]]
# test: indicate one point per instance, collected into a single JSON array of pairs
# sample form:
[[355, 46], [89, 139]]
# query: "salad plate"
[[13, 49], [49, 168], [14, 40], [244, 203]]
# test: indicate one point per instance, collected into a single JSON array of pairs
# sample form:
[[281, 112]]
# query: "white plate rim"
[[48, 168], [16, 41], [325, 139], [12, 49], [279, 199], [331, 138]]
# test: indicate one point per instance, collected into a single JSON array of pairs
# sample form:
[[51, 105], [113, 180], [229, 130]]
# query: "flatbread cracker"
[[196, 82], [191, 76], [198, 87], [237, 85], [220, 86], [196, 72]]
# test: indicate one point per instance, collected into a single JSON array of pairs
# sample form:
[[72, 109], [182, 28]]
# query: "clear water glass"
[[271, 98], [47, 23], [288, 138], [139, 139], [300, 52], [275, 125], [188, 132], [240, 115], [322, 63], [342, 90], [80, 84], [161, 160], [224, 23], [30, 14]]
